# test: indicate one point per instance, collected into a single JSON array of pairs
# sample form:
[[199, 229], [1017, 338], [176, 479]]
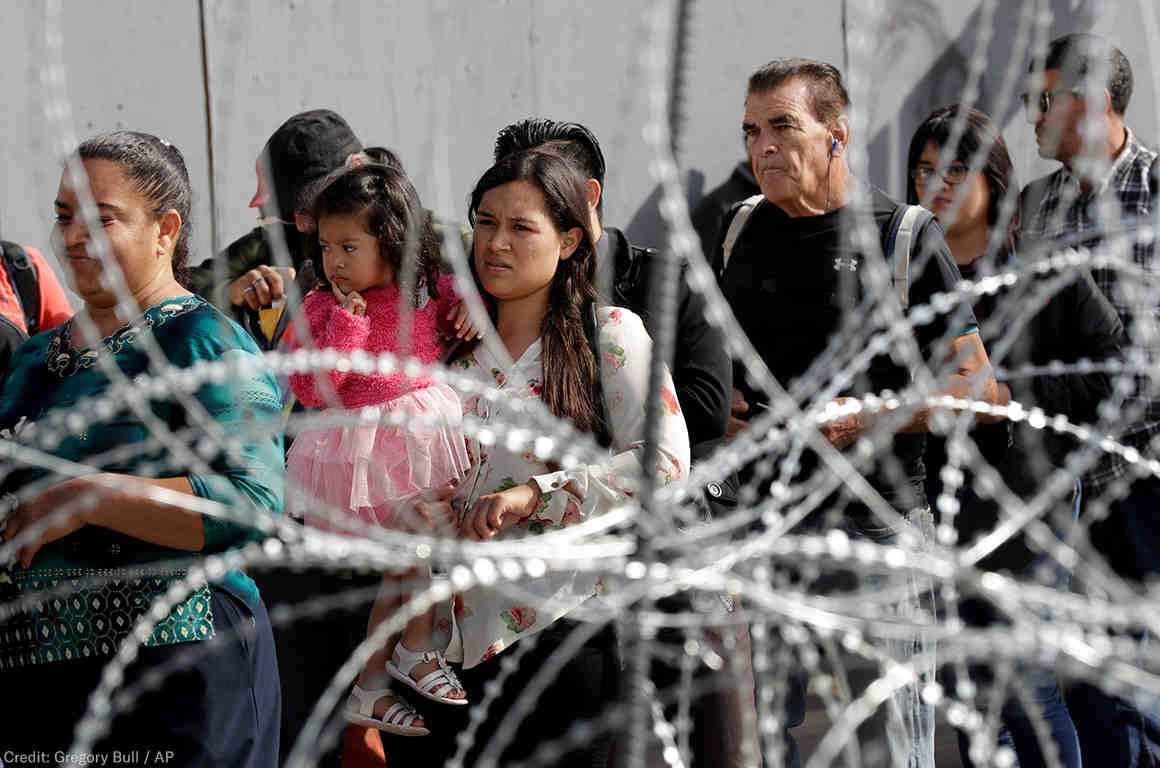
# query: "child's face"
[[350, 255]]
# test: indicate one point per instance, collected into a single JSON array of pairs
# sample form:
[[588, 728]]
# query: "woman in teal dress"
[[114, 490]]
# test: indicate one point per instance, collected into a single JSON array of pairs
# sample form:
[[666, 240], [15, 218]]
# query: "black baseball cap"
[[304, 149]]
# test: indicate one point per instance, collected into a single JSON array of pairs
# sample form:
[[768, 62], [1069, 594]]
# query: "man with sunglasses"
[[1103, 191]]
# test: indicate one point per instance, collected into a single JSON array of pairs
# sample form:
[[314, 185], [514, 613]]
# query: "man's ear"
[[570, 241], [841, 133], [593, 192]]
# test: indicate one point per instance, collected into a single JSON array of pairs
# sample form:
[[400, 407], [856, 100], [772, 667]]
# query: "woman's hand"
[[461, 325], [737, 408], [352, 302], [77, 492], [498, 511]]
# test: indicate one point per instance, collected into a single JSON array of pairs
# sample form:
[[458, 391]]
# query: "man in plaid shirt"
[[1103, 191]]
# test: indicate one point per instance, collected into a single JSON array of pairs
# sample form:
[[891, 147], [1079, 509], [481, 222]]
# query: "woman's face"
[[140, 241], [517, 246], [937, 192], [350, 255]]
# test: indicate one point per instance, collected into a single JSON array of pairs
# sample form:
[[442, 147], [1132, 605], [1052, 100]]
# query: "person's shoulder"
[[882, 206], [619, 321], [630, 259], [190, 328], [251, 242], [36, 257], [1037, 186], [29, 360], [32, 351], [739, 186]]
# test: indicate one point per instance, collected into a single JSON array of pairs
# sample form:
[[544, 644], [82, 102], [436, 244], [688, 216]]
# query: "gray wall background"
[[435, 79]]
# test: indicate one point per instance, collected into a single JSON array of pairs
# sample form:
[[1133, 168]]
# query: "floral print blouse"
[[490, 619]]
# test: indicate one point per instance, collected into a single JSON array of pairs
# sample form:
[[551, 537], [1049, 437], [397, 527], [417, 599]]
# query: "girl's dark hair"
[[978, 132], [570, 370], [157, 170], [391, 212]]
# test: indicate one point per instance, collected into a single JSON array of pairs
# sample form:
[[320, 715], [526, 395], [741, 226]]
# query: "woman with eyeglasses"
[[972, 190]]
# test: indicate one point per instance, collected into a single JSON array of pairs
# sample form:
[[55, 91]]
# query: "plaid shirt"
[[1057, 207]]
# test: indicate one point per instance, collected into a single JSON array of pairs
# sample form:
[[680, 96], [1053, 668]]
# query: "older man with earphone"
[[814, 268]]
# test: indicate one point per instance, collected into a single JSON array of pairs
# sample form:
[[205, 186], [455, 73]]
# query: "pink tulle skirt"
[[371, 469]]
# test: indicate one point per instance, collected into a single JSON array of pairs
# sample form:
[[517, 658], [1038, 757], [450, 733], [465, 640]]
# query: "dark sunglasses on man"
[[1035, 106]]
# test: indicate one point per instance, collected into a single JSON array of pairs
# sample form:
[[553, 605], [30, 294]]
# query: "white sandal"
[[434, 685], [399, 719]]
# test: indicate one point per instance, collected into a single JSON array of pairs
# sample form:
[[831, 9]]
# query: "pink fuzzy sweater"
[[332, 327]]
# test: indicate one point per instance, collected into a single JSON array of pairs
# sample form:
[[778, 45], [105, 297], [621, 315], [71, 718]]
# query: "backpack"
[[22, 275], [905, 222]]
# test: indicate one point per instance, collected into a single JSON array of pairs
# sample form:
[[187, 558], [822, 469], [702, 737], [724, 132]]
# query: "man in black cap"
[[303, 150]]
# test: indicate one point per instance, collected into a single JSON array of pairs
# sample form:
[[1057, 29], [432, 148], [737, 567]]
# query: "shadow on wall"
[[646, 227]]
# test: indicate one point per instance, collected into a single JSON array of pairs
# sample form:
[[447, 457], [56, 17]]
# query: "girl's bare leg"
[[373, 675]]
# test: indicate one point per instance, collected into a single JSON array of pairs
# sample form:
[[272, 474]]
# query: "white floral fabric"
[[488, 619]]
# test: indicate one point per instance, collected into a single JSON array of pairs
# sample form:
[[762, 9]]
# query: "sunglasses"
[[1040, 104], [954, 174]]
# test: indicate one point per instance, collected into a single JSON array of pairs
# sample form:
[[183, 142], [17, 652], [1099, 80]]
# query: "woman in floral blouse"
[[533, 262]]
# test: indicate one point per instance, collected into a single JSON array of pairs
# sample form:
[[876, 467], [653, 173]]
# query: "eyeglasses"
[[1035, 106], [954, 174]]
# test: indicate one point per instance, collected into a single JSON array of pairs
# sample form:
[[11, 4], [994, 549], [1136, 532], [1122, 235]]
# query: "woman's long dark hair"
[[570, 370], [978, 132], [385, 199], [157, 170]]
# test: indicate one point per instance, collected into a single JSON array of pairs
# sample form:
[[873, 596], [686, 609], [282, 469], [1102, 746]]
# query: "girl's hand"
[[76, 492], [496, 512], [433, 514], [352, 302], [461, 325]]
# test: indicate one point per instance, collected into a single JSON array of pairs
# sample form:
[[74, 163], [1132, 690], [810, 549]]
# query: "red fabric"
[[54, 306], [362, 748], [332, 327]]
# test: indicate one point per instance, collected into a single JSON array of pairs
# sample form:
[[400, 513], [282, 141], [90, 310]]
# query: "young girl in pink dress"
[[363, 466]]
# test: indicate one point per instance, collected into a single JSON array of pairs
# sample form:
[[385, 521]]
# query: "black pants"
[[311, 648], [218, 702], [1113, 730], [584, 687], [721, 699]]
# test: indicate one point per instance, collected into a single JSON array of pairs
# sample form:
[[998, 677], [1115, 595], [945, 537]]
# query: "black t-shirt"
[[798, 287]]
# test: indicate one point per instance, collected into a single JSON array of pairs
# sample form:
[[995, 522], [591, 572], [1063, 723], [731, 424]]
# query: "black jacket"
[[701, 367], [1076, 322]]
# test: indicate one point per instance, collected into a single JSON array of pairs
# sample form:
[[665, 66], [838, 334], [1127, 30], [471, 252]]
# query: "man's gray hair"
[[828, 97]]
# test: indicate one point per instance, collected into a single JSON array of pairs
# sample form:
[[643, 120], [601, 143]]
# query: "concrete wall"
[[434, 80]]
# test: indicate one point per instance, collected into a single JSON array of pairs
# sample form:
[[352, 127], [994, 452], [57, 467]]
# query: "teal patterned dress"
[[83, 593]]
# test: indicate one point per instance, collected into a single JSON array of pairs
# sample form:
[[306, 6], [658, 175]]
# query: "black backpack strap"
[[592, 334], [22, 274]]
